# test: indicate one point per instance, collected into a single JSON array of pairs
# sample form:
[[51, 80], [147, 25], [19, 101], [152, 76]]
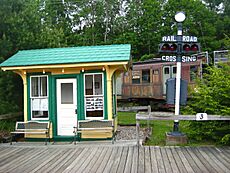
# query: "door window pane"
[[89, 84], [67, 93], [98, 84]]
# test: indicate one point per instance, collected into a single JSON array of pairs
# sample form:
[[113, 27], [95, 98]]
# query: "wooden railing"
[[170, 116], [10, 116]]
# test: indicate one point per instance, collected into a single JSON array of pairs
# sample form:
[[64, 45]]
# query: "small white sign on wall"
[[201, 116]]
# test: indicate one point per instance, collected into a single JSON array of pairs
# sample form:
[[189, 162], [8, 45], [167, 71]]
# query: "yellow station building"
[[66, 85]]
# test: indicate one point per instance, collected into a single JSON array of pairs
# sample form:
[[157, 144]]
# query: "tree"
[[200, 22]]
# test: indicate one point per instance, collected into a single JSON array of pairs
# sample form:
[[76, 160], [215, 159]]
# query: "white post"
[[178, 76], [178, 79]]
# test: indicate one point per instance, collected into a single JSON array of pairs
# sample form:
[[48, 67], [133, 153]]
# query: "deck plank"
[[78, 156], [88, 160], [129, 160], [184, 161], [10, 153], [4, 150], [123, 160], [135, 160], [223, 154], [105, 160], [147, 160], [200, 160], [47, 158], [221, 160], [141, 160], [116, 160], [225, 160], [13, 159], [42, 160], [99, 160], [178, 160], [81, 159], [190, 160], [160, 161], [66, 162], [213, 160], [110, 160], [56, 161], [172, 161], [26, 161], [166, 160], [154, 166]]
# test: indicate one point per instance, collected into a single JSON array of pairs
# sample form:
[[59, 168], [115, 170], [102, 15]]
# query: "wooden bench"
[[32, 127], [96, 126]]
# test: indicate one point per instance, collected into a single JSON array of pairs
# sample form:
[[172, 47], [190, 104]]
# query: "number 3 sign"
[[201, 116]]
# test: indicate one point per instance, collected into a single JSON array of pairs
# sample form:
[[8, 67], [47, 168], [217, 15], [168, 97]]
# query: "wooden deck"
[[112, 158]]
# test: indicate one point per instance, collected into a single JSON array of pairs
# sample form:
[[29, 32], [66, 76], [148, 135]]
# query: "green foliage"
[[146, 57], [33, 24], [11, 97], [7, 125], [226, 140], [212, 96]]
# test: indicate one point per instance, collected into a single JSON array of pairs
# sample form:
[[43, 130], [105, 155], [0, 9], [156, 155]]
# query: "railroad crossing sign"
[[173, 58], [175, 38], [179, 45]]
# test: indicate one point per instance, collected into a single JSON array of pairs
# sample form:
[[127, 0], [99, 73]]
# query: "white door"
[[66, 106]]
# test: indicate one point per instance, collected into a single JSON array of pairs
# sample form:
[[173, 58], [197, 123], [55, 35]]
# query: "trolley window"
[[136, 77], [146, 76]]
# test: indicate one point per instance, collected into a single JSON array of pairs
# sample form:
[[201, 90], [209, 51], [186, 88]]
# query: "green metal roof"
[[69, 55]]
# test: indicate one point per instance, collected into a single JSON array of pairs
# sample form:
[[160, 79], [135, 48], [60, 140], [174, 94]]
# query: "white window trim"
[[39, 97], [102, 95]]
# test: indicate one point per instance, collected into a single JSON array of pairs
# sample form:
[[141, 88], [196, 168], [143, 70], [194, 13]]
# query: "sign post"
[[181, 47]]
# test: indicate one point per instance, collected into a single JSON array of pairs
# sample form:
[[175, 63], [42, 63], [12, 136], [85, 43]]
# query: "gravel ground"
[[129, 133]]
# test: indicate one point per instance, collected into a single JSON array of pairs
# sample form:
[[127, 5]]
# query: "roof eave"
[[7, 68]]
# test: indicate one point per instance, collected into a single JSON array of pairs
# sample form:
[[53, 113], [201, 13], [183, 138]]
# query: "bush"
[[212, 96]]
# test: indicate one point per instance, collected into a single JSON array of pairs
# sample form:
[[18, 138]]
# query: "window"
[[166, 70], [146, 76], [174, 70], [136, 77], [94, 97], [39, 97], [155, 72]]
